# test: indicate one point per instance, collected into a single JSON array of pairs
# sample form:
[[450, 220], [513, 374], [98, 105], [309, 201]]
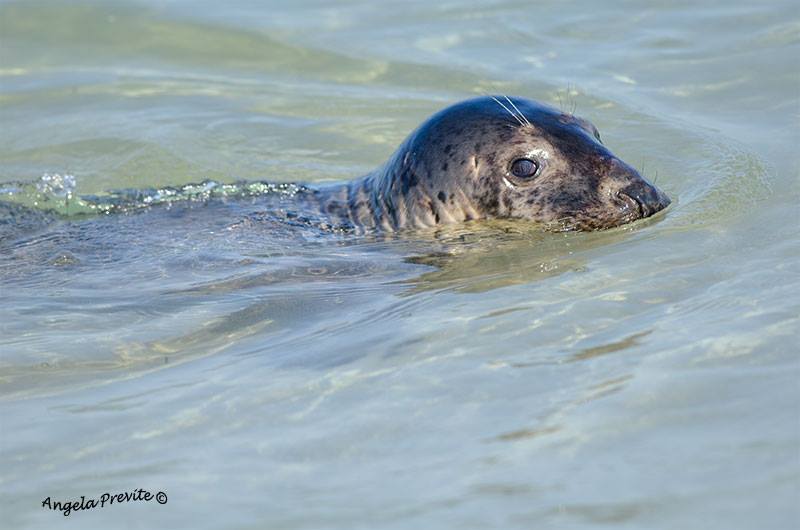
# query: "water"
[[267, 375]]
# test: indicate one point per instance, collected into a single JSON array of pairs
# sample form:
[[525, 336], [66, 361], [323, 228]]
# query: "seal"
[[496, 157]]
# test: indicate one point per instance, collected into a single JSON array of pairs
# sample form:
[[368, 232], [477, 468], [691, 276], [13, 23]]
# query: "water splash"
[[55, 193], [57, 185]]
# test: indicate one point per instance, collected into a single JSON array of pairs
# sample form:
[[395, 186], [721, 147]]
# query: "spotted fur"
[[456, 167]]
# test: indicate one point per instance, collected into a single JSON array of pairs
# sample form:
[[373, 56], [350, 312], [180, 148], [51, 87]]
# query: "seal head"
[[502, 158]]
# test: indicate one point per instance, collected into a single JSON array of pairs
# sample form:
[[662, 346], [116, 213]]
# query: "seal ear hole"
[[524, 168]]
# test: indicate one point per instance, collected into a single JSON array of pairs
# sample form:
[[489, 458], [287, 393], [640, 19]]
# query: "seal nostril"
[[631, 203]]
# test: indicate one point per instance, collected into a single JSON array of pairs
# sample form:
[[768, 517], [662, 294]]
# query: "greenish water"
[[264, 375]]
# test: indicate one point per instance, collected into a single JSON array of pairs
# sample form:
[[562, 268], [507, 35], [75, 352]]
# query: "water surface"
[[271, 375]]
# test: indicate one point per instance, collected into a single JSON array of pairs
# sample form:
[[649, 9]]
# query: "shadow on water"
[[480, 257]]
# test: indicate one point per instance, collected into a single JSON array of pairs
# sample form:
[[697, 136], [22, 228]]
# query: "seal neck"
[[394, 196], [363, 203]]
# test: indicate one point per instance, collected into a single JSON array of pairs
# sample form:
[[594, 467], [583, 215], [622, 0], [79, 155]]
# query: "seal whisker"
[[508, 110], [521, 115]]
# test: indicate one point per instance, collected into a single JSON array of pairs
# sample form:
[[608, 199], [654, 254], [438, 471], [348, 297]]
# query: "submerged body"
[[495, 158]]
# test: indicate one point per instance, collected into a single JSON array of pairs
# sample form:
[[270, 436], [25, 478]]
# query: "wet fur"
[[456, 167]]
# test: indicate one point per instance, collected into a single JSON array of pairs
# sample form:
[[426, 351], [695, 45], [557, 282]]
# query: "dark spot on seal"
[[532, 196], [442, 196], [507, 202], [444, 166], [391, 211], [569, 201], [489, 203], [433, 211], [408, 180], [448, 148]]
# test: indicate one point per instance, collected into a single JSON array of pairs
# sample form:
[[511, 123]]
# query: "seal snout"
[[643, 196]]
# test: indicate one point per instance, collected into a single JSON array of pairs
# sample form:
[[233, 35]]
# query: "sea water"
[[265, 375]]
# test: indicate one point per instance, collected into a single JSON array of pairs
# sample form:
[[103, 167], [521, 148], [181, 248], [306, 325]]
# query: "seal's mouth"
[[633, 203], [642, 199]]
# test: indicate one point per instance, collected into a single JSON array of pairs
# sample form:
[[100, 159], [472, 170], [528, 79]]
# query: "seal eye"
[[524, 168]]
